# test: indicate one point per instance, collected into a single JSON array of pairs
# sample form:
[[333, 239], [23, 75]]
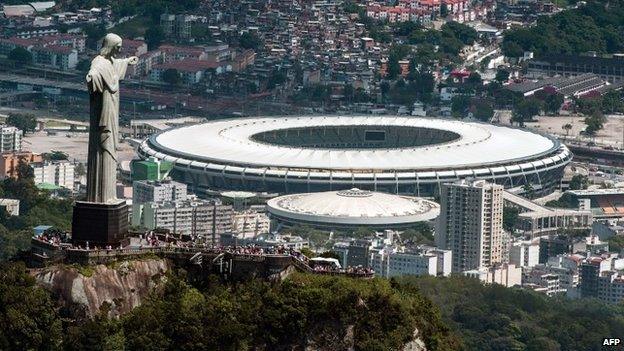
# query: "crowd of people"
[[153, 240], [51, 237]]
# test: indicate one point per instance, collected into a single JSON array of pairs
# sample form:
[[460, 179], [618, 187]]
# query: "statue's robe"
[[103, 82]]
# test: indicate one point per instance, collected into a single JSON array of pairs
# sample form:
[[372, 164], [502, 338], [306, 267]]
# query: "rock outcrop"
[[84, 290]]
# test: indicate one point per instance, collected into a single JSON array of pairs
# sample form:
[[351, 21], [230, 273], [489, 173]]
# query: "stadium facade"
[[403, 155]]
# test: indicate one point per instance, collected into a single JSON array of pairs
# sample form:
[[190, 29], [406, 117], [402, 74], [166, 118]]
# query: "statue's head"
[[111, 45]]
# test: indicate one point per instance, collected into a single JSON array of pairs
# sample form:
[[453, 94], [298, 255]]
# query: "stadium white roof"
[[230, 142], [357, 207]]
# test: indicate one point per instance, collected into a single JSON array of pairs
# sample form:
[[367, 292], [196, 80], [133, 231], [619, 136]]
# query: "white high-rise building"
[[471, 224], [10, 139], [59, 173], [524, 253]]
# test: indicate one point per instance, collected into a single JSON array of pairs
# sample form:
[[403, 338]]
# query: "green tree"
[[420, 234], [502, 76], [55, 155], [552, 103], [510, 218], [394, 69], [616, 243], [466, 34], [94, 34], [27, 315], [525, 109], [171, 76], [24, 121], [20, 56], [594, 124], [511, 49], [612, 102], [80, 170], [154, 36], [567, 127], [249, 40], [579, 182], [460, 105], [482, 110]]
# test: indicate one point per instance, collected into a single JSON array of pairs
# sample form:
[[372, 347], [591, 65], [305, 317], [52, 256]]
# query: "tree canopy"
[[596, 26], [20, 56], [24, 121]]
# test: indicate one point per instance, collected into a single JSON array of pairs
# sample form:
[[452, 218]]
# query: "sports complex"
[[392, 154], [350, 209]]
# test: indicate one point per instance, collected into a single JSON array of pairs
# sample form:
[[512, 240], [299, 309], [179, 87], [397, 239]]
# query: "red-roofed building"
[[177, 53], [191, 71], [242, 60], [56, 56], [397, 14], [134, 47], [59, 51]]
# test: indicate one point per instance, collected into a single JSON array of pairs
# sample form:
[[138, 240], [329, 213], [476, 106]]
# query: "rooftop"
[[353, 206]]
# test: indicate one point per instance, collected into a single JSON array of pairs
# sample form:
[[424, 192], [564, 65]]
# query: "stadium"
[[402, 155], [351, 209]]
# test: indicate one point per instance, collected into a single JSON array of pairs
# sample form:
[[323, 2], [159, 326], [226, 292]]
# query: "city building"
[[603, 203], [350, 209], [471, 224], [524, 253], [569, 87], [554, 245], [157, 191], [537, 220], [546, 283], [11, 206], [358, 253], [391, 262], [250, 223], [196, 218], [321, 153], [10, 160], [58, 173], [268, 240], [505, 274], [608, 68], [10, 139], [602, 277], [178, 26], [150, 169], [55, 56]]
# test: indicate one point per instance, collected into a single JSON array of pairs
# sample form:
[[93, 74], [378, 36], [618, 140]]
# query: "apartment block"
[[158, 191], [471, 224]]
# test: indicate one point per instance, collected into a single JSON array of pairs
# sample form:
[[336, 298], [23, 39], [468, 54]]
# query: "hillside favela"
[[302, 175]]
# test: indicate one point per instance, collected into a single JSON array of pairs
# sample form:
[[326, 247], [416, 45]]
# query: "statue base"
[[99, 224]]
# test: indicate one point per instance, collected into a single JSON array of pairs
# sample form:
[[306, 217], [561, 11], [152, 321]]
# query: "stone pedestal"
[[98, 223]]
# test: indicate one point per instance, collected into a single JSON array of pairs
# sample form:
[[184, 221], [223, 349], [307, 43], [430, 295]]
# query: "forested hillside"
[[597, 26]]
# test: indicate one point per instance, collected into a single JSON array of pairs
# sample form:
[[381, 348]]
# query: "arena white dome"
[[393, 154], [349, 209]]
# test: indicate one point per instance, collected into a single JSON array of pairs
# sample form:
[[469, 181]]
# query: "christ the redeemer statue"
[[103, 83]]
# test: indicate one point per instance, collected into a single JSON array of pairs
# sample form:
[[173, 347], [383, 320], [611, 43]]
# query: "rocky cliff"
[[84, 290]]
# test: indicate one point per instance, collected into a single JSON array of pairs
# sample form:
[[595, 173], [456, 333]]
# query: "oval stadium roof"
[[230, 142]]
